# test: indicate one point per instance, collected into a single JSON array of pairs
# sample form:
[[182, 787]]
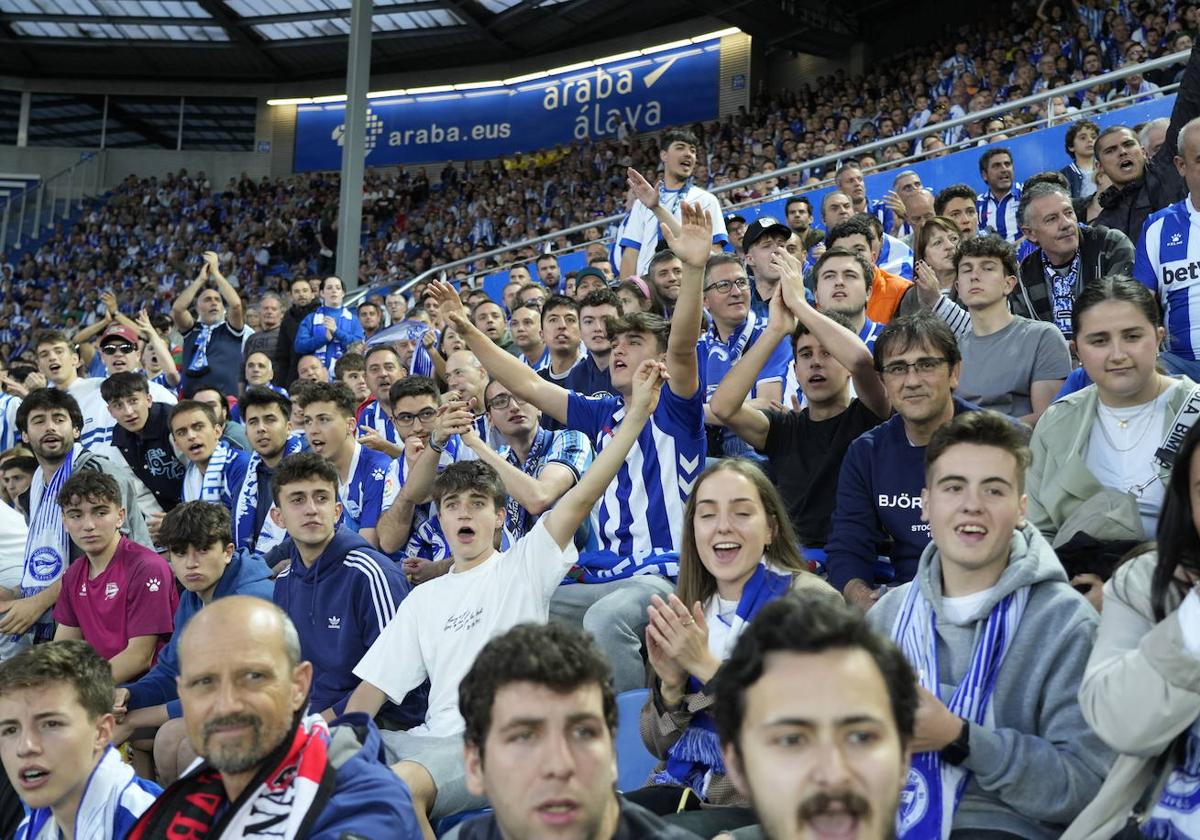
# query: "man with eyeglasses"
[[415, 533], [537, 466], [735, 329], [882, 476]]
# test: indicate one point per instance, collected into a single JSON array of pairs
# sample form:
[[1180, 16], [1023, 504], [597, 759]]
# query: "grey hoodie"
[[1041, 763]]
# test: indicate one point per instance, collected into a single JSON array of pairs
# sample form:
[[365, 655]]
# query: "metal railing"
[[29, 213], [783, 172]]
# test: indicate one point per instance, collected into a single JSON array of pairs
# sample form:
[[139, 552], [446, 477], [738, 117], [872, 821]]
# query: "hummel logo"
[[335, 622], [153, 584], [1176, 238]]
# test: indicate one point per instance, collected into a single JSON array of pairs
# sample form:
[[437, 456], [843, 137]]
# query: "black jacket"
[[1126, 208], [151, 456], [286, 357], [1102, 251]]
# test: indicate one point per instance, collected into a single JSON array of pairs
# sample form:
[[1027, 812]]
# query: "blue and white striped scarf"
[[200, 352], [244, 516], [934, 788], [47, 544], [212, 486], [695, 758]]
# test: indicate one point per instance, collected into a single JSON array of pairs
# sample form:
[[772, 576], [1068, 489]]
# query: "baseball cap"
[[119, 331], [761, 225], [590, 271]]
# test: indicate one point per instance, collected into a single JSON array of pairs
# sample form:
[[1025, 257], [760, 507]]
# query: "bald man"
[[245, 690]]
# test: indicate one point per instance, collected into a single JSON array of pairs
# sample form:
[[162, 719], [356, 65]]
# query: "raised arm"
[[692, 246], [515, 375], [647, 194], [536, 494], [841, 343], [235, 314], [566, 516], [728, 402], [157, 344], [179, 309]]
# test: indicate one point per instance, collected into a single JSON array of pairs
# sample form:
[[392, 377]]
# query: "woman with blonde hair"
[[738, 553]]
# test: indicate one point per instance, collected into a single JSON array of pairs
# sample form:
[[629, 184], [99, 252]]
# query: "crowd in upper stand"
[[269, 562]]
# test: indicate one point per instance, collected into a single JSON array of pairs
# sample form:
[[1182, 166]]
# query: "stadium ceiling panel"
[[281, 41]]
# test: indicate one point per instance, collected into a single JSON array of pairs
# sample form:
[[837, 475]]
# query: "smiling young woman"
[[738, 553]]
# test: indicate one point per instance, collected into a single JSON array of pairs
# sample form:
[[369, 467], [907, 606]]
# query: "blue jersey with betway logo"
[[879, 507], [1168, 263]]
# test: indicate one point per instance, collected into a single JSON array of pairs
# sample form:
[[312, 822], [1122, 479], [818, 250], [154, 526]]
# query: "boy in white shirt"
[[444, 623]]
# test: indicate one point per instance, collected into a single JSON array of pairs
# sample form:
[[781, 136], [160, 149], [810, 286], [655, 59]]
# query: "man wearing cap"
[[735, 226], [763, 237], [588, 280]]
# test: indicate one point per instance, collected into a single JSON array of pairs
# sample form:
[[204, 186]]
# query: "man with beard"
[[51, 422], [245, 693], [370, 316], [212, 341], [304, 303], [821, 762], [375, 428]]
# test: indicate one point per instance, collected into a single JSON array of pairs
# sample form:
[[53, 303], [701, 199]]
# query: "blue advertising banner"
[[1032, 153], [646, 93]]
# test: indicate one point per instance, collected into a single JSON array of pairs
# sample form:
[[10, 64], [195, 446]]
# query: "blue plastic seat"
[[634, 761], [445, 824]]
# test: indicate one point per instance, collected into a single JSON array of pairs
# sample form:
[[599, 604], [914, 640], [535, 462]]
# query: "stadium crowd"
[[867, 509]]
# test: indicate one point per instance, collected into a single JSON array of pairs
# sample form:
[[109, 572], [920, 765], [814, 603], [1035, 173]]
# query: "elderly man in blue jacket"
[[267, 761]]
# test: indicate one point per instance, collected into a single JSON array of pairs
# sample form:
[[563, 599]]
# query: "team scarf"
[[517, 520], [421, 363], [1176, 815], [1062, 291], [246, 510], [47, 545], [212, 485], [281, 803], [934, 787], [603, 566], [199, 362], [695, 758]]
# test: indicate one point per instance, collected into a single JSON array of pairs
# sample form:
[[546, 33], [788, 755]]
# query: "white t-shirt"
[[962, 610], [1123, 458], [442, 625], [642, 230]]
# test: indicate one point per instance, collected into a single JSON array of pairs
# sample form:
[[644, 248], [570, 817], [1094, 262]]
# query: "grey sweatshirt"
[[1040, 764]]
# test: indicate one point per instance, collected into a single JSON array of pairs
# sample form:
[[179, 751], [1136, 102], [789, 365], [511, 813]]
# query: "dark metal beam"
[[477, 23], [241, 34], [133, 122], [344, 14]]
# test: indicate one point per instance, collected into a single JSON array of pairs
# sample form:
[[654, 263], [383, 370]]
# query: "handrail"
[[832, 158]]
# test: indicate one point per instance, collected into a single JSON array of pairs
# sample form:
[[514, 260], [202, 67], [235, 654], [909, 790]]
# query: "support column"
[[23, 119], [358, 76]]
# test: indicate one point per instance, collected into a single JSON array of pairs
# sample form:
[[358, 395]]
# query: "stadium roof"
[[280, 41]]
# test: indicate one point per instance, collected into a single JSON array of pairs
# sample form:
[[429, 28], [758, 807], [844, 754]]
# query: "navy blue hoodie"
[[246, 574], [879, 502], [339, 605]]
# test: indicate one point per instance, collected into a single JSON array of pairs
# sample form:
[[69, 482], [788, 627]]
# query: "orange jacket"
[[886, 291]]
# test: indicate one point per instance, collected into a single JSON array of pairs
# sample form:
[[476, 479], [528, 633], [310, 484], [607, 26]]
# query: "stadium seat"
[[634, 761], [447, 824]]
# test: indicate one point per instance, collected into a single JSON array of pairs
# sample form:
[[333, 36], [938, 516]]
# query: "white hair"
[[1160, 122]]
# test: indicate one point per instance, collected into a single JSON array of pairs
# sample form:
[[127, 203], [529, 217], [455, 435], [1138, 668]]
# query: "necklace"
[[1145, 415]]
